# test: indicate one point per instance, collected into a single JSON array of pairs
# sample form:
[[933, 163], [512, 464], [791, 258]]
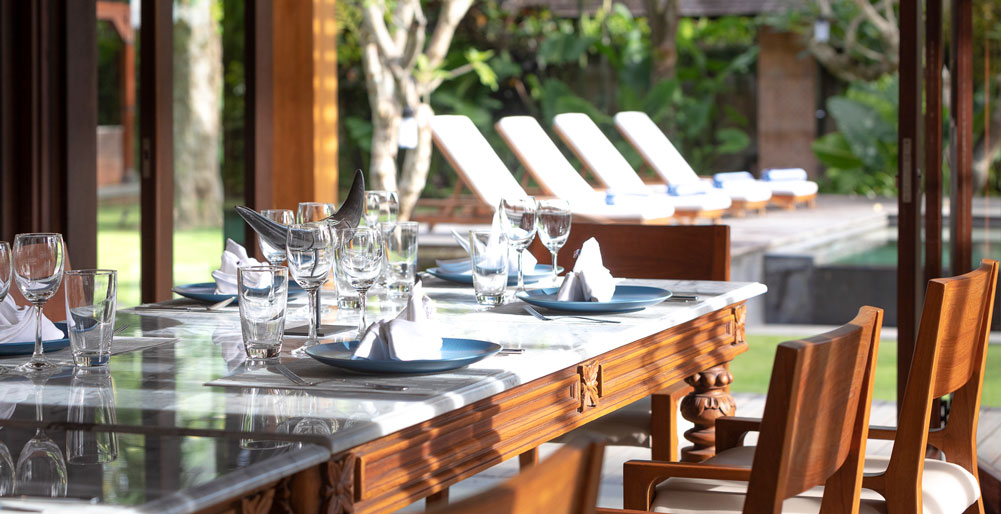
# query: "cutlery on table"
[[539, 315], [511, 351], [683, 298], [187, 308], [121, 329], [371, 385], [289, 374]]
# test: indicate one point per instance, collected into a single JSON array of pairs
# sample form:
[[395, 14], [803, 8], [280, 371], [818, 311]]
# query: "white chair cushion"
[[711, 201], [655, 148], [947, 489], [475, 160], [592, 146], [792, 187], [747, 190]]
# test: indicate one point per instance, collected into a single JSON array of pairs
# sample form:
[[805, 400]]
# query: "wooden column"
[[933, 140], [48, 133], [909, 165], [156, 149], [259, 144], [961, 113], [305, 102]]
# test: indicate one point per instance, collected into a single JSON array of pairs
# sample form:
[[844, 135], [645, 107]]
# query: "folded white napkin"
[[17, 324], [413, 335], [234, 257], [590, 280]]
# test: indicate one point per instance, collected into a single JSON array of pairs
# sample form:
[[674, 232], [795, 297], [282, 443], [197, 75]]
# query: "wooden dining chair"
[[564, 483], [813, 432], [681, 252], [949, 357]]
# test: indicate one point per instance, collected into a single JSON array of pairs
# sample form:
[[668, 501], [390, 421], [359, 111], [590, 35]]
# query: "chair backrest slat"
[[593, 147], [816, 414], [655, 148], [474, 160], [700, 252], [540, 156]]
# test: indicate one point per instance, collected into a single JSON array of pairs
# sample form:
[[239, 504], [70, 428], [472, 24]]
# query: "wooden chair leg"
[[664, 422], [528, 459], [437, 499]]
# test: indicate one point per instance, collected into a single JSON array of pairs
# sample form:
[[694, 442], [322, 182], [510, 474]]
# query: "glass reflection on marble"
[[92, 402], [266, 413], [6, 471], [41, 467], [310, 423]]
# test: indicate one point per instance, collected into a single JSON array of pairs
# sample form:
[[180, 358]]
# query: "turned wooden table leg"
[[710, 400]]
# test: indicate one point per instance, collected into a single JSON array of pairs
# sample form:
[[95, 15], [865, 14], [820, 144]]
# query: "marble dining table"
[[198, 428]]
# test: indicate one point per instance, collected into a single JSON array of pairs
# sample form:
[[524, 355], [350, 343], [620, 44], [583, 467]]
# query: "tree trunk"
[[662, 15], [385, 119], [417, 163], [197, 107]]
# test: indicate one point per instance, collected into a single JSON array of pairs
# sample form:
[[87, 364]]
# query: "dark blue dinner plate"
[[625, 298], [27, 347], [455, 354], [205, 292], [532, 276]]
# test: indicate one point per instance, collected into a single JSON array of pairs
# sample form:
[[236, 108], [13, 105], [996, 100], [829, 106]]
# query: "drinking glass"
[[263, 294], [41, 467], [520, 226], [91, 298], [275, 255], [401, 258], [6, 269], [309, 259], [360, 256], [489, 254], [314, 211], [381, 207], [92, 402], [266, 413], [38, 271], [554, 226]]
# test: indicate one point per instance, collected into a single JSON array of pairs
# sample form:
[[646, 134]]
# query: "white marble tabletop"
[[162, 390]]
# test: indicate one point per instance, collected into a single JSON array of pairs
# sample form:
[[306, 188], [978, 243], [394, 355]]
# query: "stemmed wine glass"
[[41, 467], [273, 254], [554, 226], [38, 271], [314, 211], [309, 250], [381, 207], [6, 269], [520, 226], [361, 257]]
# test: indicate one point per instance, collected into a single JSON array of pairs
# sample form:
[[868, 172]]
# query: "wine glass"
[[38, 271], [275, 255], [314, 211], [309, 252], [520, 225], [41, 467], [360, 257], [6, 269], [554, 226], [381, 207]]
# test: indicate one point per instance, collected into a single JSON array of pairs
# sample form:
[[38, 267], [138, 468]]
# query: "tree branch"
[[889, 33], [451, 14], [372, 18]]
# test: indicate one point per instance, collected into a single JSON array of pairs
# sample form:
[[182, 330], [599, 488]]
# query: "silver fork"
[[539, 315]]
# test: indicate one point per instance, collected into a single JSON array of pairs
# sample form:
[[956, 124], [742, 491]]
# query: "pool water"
[[885, 255]]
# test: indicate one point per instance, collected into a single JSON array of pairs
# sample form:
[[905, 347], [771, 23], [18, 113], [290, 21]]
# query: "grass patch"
[[752, 370]]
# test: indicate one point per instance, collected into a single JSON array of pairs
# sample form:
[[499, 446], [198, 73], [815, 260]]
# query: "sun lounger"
[[479, 167], [746, 192], [599, 155], [554, 173], [661, 156]]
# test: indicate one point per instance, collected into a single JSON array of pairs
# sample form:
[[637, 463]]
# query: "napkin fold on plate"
[[412, 335], [234, 257], [590, 280], [17, 324]]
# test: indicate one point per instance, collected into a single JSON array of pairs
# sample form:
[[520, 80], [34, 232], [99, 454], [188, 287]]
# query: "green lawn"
[[196, 252], [752, 370]]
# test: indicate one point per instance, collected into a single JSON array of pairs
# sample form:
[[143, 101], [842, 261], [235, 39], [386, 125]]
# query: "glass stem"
[[521, 271], [555, 275], [314, 320], [37, 355], [362, 293]]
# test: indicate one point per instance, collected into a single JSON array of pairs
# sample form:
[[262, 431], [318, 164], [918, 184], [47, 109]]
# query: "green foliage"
[[862, 156]]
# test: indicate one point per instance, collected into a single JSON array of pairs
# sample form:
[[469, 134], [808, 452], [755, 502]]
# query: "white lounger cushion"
[[475, 159], [600, 156], [656, 149], [947, 489], [792, 187], [598, 153], [747, 190]]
